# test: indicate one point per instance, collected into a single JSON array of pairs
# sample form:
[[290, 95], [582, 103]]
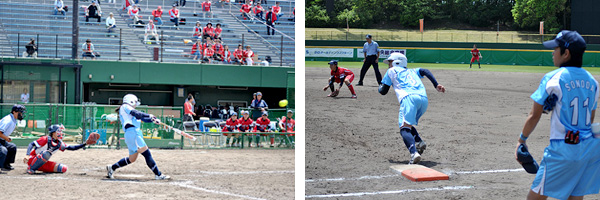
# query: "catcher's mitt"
[[92, 138], [334, 93]]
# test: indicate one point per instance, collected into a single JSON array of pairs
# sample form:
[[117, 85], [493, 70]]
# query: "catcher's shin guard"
[[39, 160], [409, 140]]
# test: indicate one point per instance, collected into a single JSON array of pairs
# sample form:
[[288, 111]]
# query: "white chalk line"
[[388, 176], [389, 192], [242, 172], [180, 184]]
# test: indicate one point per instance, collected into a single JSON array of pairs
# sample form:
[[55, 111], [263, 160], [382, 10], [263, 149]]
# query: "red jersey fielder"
[[476, 55], [339, 75], [40, 151]]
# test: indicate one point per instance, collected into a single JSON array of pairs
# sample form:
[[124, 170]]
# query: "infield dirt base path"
[[474, 126], [195, 174]]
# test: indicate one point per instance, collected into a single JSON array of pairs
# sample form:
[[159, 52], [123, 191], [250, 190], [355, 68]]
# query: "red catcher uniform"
[[289, 125], [475, 54], [262, 125], [45, 143], [230, 126], [206, 6], [341, 74]]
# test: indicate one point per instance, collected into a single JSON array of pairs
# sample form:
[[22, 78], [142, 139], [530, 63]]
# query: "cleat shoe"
[[8, 167], [30, 171], [359, 84], [162, 177], [353, 96], [415, 158], [109, 172], [421, 146]]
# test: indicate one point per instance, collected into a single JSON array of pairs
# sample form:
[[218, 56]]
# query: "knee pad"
[[61, 168], [348, 84]]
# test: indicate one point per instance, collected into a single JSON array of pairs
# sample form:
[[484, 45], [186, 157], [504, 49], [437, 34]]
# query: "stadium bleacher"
[[21, 21]]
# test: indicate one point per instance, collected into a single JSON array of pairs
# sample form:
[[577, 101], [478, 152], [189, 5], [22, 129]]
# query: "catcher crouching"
[[40, 150]]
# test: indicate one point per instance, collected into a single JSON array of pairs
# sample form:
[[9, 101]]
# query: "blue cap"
[[259, 94], [333, 62], [233, 113], [568, 39], [265, 113], [369, 36], [527, 161]]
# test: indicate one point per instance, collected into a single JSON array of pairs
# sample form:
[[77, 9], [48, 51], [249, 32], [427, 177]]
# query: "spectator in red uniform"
[[238, 55], [339, 75], [209, 31], [218, 31], [248, 55], [174, 14], [271, 18], [157, 14], [258, 11], [197, 30], [209, 54], [246, 10], [206, 9]]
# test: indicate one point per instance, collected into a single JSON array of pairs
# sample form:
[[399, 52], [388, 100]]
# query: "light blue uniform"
[[569, 169], [410, 92], [8, 124], [133, 135]]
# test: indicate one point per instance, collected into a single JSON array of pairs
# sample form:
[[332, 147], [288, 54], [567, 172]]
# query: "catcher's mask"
[[58, 128]]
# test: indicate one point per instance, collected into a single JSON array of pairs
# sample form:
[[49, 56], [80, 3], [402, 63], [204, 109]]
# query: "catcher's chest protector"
[[52, 146]]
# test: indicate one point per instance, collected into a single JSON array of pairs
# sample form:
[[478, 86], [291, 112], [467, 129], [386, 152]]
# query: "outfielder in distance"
[[570, 167], [40, 151], [412, 97], [339, 75], [475, 55], [130, 119]]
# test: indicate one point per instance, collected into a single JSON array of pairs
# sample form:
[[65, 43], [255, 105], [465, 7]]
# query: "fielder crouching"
[[40, 151]]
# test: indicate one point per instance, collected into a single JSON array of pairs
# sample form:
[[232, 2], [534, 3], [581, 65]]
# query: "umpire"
[[371, 51], [8, 150]]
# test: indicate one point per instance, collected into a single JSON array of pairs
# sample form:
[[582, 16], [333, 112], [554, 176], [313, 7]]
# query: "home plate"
[[419, 173]]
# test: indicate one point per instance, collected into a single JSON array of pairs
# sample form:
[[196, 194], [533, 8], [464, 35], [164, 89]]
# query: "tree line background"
[[471, 14]]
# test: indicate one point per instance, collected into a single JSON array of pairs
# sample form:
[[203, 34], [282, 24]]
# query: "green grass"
[[463, 67]]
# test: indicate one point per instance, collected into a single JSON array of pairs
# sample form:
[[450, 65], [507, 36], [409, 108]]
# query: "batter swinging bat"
[[180, 132]]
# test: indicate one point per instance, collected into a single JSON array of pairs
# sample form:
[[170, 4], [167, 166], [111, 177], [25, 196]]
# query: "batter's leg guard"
[[409, 140], [38, 161], [150, 162], [351, 88], [122, 163], [61, 168], [415, 134]]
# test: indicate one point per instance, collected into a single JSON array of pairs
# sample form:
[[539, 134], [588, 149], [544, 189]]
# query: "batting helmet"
[[131, 99], [19, 108], [397, 56]]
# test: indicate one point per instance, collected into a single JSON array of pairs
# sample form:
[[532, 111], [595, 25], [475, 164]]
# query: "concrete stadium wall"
[[203, 80], [457, 53]]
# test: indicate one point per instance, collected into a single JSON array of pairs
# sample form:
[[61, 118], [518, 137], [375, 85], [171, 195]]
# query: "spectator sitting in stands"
[[157, 14], [151, 30], [238, 55], [218, 46], [195, 51], [134, 13], [197, 30], [206, 9], [248, 54], [209, 54], [127, 5], [30, 49], [59, 6], [207, 111], [263, 62], [88, 50], [226, 55], [246, 10], [93, 11], [209, 31], [174, 13], [258, 11], [277, 10], [111, 23], [218, 31]]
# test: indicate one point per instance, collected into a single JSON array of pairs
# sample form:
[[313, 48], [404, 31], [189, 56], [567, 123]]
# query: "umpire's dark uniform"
[[371, 52]]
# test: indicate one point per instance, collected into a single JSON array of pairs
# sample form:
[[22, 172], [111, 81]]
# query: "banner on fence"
[[383, 53], [330, 52]]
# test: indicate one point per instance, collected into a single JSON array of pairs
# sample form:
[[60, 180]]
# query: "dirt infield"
[[471, 132], [195, 174]]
